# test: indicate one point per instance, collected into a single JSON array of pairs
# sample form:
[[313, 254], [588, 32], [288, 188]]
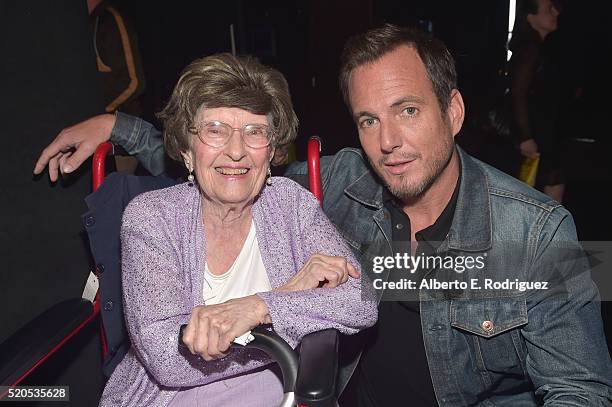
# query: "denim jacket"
[[140, 139], [533, 348]]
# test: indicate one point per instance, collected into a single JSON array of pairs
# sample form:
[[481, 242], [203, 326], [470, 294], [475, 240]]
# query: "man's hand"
[[321, 270], [212, 328], [529, 148], [74, 145]]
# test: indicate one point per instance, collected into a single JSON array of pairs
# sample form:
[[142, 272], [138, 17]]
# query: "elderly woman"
[[227, 251]]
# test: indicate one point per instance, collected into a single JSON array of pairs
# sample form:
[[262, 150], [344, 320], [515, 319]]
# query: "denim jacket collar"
[[471, 227], [367, 190]]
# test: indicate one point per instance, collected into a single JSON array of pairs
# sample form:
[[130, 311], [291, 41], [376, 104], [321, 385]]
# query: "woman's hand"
[[321, 271], [212, 328]]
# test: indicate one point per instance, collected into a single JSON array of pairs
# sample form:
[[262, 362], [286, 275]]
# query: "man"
[[452, 347]]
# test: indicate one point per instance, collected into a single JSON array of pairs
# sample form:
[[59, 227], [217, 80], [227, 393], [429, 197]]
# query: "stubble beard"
[[404, 188]]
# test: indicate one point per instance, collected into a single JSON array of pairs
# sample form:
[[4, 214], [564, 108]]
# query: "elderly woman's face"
[[235, 172]]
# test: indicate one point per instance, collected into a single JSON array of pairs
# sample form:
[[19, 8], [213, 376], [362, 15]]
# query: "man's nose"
[[390, 136]]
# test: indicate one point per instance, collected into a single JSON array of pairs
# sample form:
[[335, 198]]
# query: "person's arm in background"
[[118, 60], [523, 71], [73, 145]]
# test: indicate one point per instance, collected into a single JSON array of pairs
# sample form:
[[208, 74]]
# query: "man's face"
[[408, 139]]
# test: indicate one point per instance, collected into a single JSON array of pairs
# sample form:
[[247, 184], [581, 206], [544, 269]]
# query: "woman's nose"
[[235, 147]]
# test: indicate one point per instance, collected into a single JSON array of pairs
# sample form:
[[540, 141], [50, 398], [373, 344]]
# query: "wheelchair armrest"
[[318, 369], [40, 337]]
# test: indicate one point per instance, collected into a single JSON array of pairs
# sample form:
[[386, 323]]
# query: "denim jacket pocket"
[[492, 328], [489, 317]]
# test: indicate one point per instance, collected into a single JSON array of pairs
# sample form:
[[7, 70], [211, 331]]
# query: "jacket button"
[[100, 268], [90, 220], [487, 326], [108, 306]]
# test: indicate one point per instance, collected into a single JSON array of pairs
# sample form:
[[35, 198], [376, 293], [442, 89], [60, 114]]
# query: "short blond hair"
[[224, 80]]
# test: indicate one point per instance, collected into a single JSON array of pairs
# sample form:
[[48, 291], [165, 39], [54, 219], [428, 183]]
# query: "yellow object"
[[291, 155], [528, 170]]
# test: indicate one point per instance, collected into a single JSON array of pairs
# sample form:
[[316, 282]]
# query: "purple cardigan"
[[163, 247]]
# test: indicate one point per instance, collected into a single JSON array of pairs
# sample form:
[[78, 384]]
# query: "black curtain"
[[48, 78]]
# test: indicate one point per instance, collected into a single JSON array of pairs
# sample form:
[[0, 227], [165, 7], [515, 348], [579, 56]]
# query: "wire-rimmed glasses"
[[217, 134]]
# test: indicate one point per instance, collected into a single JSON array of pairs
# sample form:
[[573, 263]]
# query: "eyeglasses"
[[217, 134]]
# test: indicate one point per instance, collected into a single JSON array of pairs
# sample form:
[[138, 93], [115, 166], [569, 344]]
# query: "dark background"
[[47, 80]]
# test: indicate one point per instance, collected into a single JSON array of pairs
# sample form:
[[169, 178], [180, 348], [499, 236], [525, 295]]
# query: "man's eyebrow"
[[408, 99], [397, 103], [363, 113]]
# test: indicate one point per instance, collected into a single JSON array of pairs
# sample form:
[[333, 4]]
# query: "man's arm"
[[73, 145], [140, 138], [568, 360], [524, 68]]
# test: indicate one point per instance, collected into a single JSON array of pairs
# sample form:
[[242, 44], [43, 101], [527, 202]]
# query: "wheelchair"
[[309, 376]]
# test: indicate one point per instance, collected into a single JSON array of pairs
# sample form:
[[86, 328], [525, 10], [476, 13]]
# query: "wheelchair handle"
[[314, 168], [99, 158], [278, 349]]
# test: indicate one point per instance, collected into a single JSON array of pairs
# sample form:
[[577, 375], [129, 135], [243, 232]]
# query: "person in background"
[[119, 65], [535, 93]]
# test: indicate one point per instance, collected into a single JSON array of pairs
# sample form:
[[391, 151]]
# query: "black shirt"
[[394, 370]]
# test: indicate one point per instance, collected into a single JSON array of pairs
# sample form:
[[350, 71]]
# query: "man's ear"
[[455, 112], [188, 160]]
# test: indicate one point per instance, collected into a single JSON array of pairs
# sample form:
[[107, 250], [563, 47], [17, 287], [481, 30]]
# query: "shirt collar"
[[439, 229], [471, 228]]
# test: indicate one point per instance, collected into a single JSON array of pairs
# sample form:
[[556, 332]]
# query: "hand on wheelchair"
[[212, 328], [321, 271], [75, 144]]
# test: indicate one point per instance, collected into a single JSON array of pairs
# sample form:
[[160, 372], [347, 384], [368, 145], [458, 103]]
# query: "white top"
[[246, 276]]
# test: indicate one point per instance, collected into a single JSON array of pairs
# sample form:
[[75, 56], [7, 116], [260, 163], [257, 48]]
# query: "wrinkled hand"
[[212, 328], [74, 145], [529, 148], [321, 271]]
